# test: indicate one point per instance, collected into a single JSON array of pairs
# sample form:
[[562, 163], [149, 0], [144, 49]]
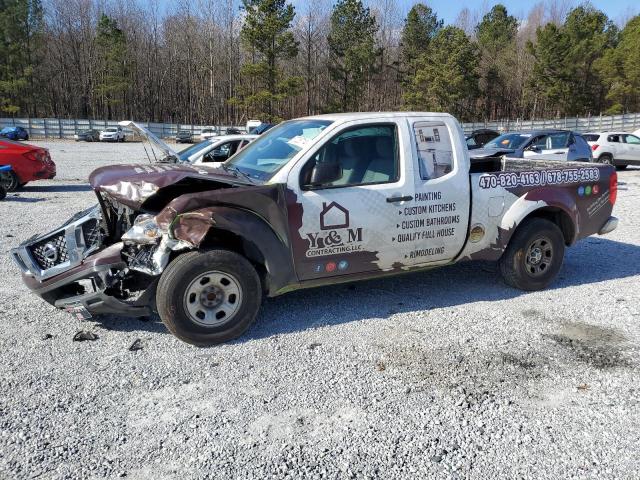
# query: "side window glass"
[[632, 139], [365, 155], [435, 151], [540, 142], [613, 139], [558, 140]]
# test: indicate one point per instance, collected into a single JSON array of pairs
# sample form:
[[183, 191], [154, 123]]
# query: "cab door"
[[632, 148], [350, 225], [437, 219]]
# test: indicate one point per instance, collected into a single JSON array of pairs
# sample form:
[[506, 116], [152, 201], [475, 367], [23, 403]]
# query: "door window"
[[435, 153], [366, 154], [632, 140], [613, 138]]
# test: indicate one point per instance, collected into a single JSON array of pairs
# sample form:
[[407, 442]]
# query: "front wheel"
[[207, 298], [621, 167], [534, 255]]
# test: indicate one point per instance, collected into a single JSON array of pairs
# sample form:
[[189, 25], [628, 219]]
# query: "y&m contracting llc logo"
[[335, 235]]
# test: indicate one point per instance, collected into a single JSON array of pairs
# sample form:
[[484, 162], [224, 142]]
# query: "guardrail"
[[67, 128]]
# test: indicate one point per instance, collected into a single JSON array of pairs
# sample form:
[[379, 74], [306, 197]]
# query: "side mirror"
[[324, 173]]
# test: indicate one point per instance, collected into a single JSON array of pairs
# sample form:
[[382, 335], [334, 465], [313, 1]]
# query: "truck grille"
[[91, 233], [51, 251]]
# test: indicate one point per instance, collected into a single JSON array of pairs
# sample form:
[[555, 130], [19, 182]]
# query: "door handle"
[[406, 198]]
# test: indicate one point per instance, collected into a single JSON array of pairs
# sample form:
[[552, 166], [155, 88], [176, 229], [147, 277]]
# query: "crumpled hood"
[[133, 184], [489, 152]]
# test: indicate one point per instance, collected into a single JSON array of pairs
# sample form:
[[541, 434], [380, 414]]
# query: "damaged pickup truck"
[[315, 201]]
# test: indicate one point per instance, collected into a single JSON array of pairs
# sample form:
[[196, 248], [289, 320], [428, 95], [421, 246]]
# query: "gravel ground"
[[442, 374]]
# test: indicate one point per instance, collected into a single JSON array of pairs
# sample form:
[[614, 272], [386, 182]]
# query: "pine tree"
[[620, 70], [420, 26], [353, 53], [267, 35], [446, 79], [21, 25], [496, 35], [111, 46]]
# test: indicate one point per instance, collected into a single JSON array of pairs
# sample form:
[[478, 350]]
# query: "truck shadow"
[[591, 261]]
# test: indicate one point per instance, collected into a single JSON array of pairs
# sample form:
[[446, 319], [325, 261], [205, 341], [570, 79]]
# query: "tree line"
[[225, 61]]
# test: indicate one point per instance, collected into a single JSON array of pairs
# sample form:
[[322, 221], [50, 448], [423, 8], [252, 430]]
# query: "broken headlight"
[[145, 230]]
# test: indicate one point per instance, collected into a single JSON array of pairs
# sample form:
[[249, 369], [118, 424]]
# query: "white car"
[[214, 150], [112, 134], [207, 132], [616, 148]]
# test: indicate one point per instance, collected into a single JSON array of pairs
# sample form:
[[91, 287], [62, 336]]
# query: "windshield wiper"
[[236, 171]]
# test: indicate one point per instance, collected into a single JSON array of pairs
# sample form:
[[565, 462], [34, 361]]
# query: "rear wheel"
[[210, 297], [606, 158], [621, 167], [534, 255], [3, 192]]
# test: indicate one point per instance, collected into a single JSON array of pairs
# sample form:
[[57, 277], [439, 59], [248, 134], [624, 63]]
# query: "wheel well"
[[560, 218], [230, 241]]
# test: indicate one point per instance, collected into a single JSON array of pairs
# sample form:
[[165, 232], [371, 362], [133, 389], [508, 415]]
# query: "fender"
[[540, 199], [259, 242]]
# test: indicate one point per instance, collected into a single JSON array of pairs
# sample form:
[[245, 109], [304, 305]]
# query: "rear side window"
[[435, 152], [613, 138], [591, 137]]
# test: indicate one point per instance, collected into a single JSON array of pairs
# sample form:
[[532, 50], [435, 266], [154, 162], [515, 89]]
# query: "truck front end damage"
[[108, 258], [103, 260]]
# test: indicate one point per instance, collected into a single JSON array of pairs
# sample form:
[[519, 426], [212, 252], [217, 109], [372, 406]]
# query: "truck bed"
[[506, 164]]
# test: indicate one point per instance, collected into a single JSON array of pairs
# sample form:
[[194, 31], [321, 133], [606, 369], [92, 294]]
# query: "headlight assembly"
[[145, 230]]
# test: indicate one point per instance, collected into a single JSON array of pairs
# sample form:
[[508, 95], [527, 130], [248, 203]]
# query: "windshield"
[[183, 155], [263, 157], [6, 130], [509, 140], [592, 137], [111, 129]]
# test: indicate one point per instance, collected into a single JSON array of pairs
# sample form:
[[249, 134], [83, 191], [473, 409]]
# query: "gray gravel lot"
[[444, 374]]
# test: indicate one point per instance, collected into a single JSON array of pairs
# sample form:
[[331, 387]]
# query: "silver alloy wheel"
[[213, 298], [539, 256]]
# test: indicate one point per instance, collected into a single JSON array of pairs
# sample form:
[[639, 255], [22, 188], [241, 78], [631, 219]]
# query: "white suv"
[[112, 134], [616, 148]]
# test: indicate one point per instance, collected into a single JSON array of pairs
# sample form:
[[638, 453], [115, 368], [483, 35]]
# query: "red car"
[[28, 163]]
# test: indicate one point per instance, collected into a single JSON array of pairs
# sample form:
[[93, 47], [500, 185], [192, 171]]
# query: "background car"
[[112, 134], [478, 138], [184, 136], [537, 144], [252, 125], [207, 132], [616, 148], [28, 163], [88, 135], [14, 133], [217, 149]]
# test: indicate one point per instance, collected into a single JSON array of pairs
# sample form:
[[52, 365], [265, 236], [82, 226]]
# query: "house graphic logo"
[[333, 216], [335, 237]]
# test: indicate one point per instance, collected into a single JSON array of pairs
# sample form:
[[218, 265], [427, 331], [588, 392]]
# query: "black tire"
[[517, 264], [606, 158], [26, 139], [3, 193], [12, 183], [621, 167], [173, 301]]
